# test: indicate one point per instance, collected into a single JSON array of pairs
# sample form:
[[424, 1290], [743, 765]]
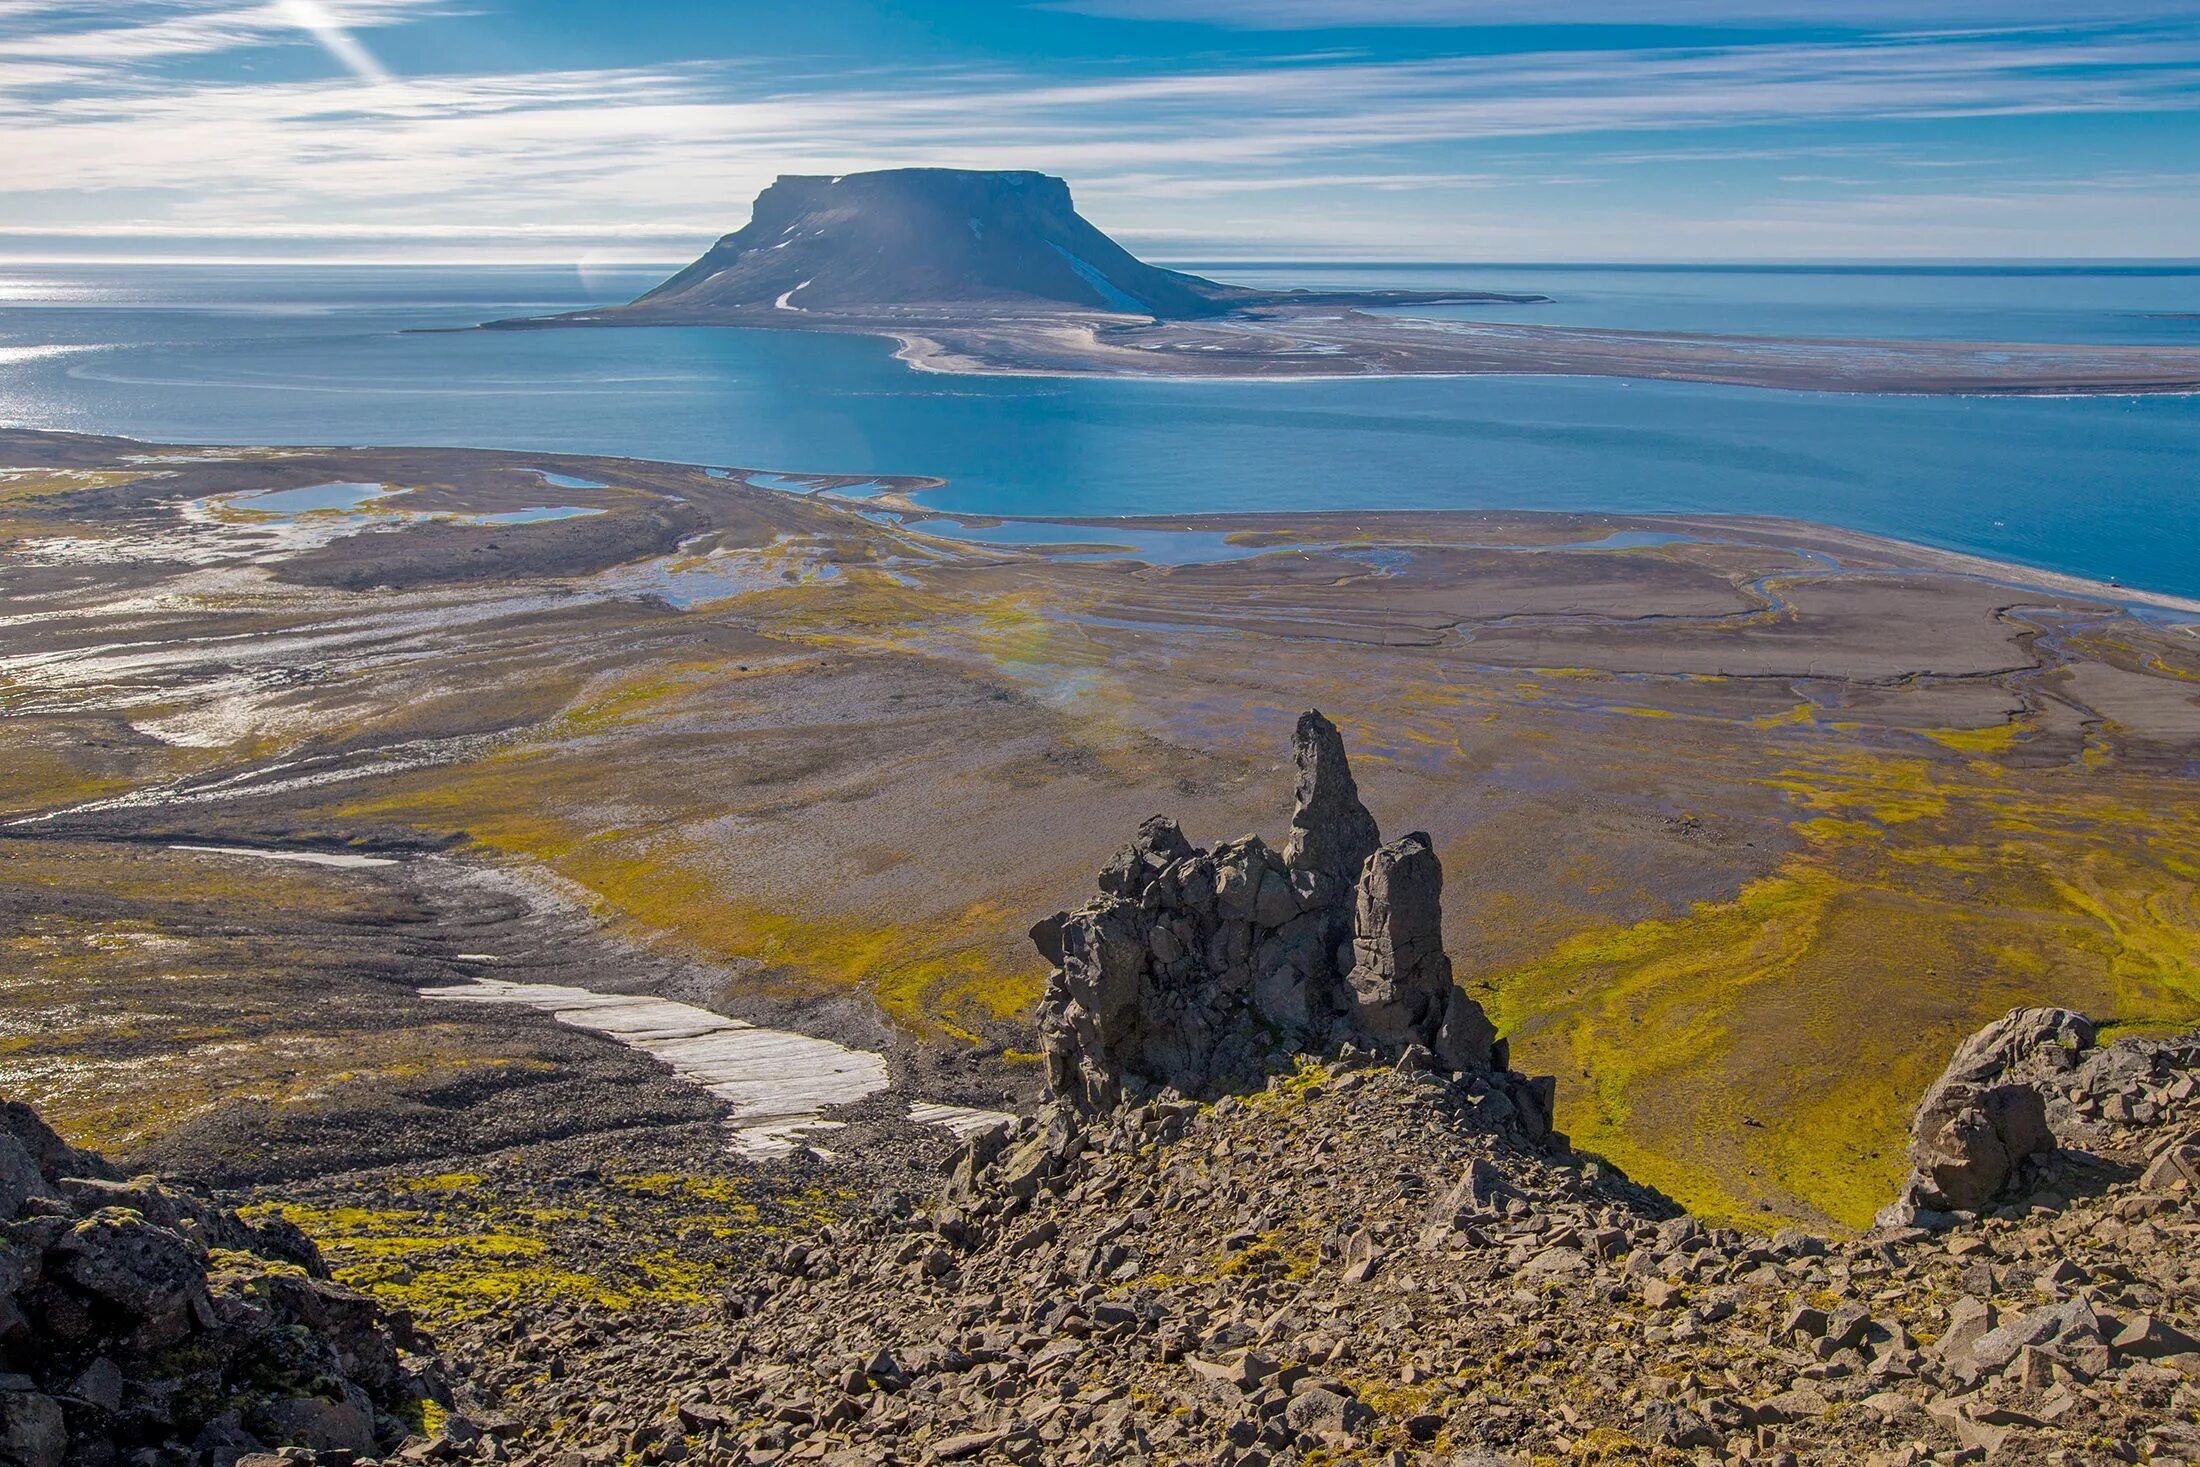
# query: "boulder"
[[1986, 1117], [1968, 1145], [33, 1432], [150, 1281], [2034, 1082], [2175, 1168]]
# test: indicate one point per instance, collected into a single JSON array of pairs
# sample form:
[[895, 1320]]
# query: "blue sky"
[[603, 130]]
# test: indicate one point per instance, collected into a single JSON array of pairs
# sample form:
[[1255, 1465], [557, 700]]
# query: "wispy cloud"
[[117, 136], [107, 39], [1909, 15]]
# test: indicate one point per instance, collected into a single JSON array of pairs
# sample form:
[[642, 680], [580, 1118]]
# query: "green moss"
[[1765, 1051], [1994, 739], [442, 1182]]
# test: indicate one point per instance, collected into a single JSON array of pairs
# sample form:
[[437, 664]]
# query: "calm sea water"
[[2101, 487]]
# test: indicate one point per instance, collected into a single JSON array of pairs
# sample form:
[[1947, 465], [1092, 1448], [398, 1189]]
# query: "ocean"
[[2107, 488]]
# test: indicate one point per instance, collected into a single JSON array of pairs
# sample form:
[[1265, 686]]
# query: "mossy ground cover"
[[454, 1248], [1758, 1057], [19, 485], [947, 966], [806, 782], [123, 1021], [1755, 1052], [939, 973], [239, 1018]]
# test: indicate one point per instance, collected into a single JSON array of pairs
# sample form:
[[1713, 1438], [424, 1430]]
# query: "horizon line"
[[598, 261]]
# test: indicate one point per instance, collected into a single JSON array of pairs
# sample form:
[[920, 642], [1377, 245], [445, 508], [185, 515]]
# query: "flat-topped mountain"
[[941, 241], [930, 236]]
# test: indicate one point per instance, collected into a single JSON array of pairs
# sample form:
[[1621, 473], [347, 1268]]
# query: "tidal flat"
[[1746, 822]]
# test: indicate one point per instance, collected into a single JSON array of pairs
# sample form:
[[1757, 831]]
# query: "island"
[[997, 273]]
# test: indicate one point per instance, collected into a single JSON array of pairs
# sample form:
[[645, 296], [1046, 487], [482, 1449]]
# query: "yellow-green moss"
[[1765, 1051]]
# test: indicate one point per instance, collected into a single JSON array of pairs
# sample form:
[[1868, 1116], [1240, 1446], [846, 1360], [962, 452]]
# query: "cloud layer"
[[1836, 14], [102, 131]]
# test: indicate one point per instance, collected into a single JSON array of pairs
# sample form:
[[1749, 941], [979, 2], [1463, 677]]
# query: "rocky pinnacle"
[[1332, 833], [1201, 971]]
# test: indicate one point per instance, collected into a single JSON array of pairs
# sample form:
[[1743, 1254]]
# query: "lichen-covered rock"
[[141, 1323], [1198, 970]]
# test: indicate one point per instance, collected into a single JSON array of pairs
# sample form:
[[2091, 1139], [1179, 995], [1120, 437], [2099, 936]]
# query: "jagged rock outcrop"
[[1332, 833], [1401, 978], [142, 1324], [2032, 1082], [1198, 971]]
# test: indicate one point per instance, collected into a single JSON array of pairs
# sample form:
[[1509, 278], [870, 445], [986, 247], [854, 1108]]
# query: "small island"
[[997, 273]]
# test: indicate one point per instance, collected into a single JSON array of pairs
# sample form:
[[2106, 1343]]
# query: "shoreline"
[[1809, 535], [919, 354], [1260, 347]]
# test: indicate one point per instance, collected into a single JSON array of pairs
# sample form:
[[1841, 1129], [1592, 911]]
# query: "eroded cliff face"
[[1201, 971]]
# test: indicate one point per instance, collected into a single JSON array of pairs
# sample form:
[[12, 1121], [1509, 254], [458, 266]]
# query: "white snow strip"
[[1107, 289], [777, 1083], [782, 304], [306, 858], [965, 1121]]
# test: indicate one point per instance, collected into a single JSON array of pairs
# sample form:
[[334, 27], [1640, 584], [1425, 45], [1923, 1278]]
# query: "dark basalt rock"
[[1332, 834], [1199, 971], [1401, 978], [141, 1323]]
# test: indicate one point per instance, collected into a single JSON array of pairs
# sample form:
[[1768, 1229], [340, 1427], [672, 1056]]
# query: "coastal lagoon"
[[2105, 487]]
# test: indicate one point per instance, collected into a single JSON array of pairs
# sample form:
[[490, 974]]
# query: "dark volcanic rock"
[[142, 1323], [1199, 971], [1332, 835], [1401, 977]]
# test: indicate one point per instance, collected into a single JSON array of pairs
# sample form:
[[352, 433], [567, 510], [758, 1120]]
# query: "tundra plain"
[[1746, 823]]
